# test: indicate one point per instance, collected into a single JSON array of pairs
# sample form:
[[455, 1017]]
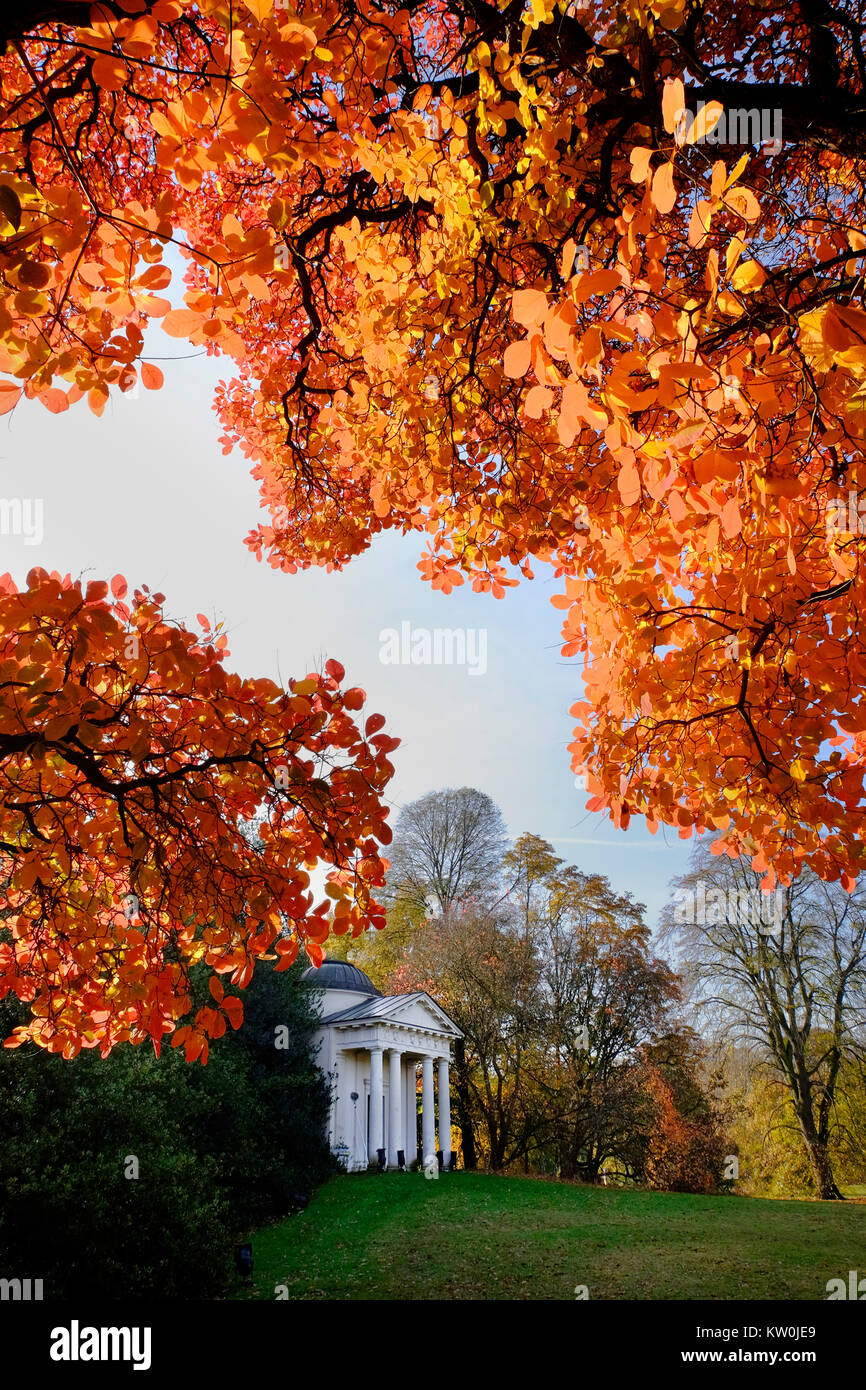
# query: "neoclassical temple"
[[370, 1046]]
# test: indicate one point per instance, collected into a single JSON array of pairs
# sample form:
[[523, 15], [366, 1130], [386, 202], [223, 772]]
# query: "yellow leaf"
[[813, 340], [748, 277], [737, 170], [854, 359], [706, 120]]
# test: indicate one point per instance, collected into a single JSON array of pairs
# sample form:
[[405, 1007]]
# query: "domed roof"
[[339, 974]]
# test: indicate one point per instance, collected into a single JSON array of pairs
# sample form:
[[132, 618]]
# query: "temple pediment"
[[408, 1010]]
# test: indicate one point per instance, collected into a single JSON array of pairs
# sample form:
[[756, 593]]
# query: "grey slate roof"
[[379, 1009], [368, 1008]]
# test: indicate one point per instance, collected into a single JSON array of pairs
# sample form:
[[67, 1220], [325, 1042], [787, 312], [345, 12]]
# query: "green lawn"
[[472, 1236]]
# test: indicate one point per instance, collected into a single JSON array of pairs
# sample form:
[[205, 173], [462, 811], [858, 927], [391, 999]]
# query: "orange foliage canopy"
[[482, 278], [132, 765]]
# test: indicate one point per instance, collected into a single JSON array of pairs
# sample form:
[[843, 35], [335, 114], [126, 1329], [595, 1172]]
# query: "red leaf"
[[10, 395], [54, 400], [151, 376], [234, 1011]]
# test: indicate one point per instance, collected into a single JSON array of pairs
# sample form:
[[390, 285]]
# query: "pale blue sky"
[[147, 492]]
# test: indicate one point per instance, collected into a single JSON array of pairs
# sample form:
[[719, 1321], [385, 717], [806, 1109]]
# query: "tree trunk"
[[464, 1112], [819, 1162]]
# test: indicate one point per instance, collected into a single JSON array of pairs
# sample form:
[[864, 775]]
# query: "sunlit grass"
[[474, 1236]]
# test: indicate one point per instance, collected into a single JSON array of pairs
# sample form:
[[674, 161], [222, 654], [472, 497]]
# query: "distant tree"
[[602, 995], [766, 1135], [572, 1057], [685, 1146], [789, 983], [849, 1137], [447, 847]]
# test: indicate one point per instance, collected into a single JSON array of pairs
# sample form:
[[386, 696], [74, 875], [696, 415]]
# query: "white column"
[[444, 1112], [428, 1119], [355, 1112], [411, 1113], [395, 1108], [376, 1095], [337, 1099]]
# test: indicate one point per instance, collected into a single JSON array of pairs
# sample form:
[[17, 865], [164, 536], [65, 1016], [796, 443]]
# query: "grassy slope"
[[472, 1236]]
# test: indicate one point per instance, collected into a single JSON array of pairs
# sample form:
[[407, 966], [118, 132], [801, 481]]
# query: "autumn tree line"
[[737, 1063]]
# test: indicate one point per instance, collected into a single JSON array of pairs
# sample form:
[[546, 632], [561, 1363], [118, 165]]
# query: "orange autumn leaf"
[[664, 194], [179, 323], [54, 400], [122, 687], [110, 73], [538, 399], [673, 103], [706, 120], [10, 395], [517, 358], [640, 162], [528, 306], [628, 482]]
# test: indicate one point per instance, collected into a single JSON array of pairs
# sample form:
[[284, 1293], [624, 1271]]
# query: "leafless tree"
[[789, 984], [447, 848]]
